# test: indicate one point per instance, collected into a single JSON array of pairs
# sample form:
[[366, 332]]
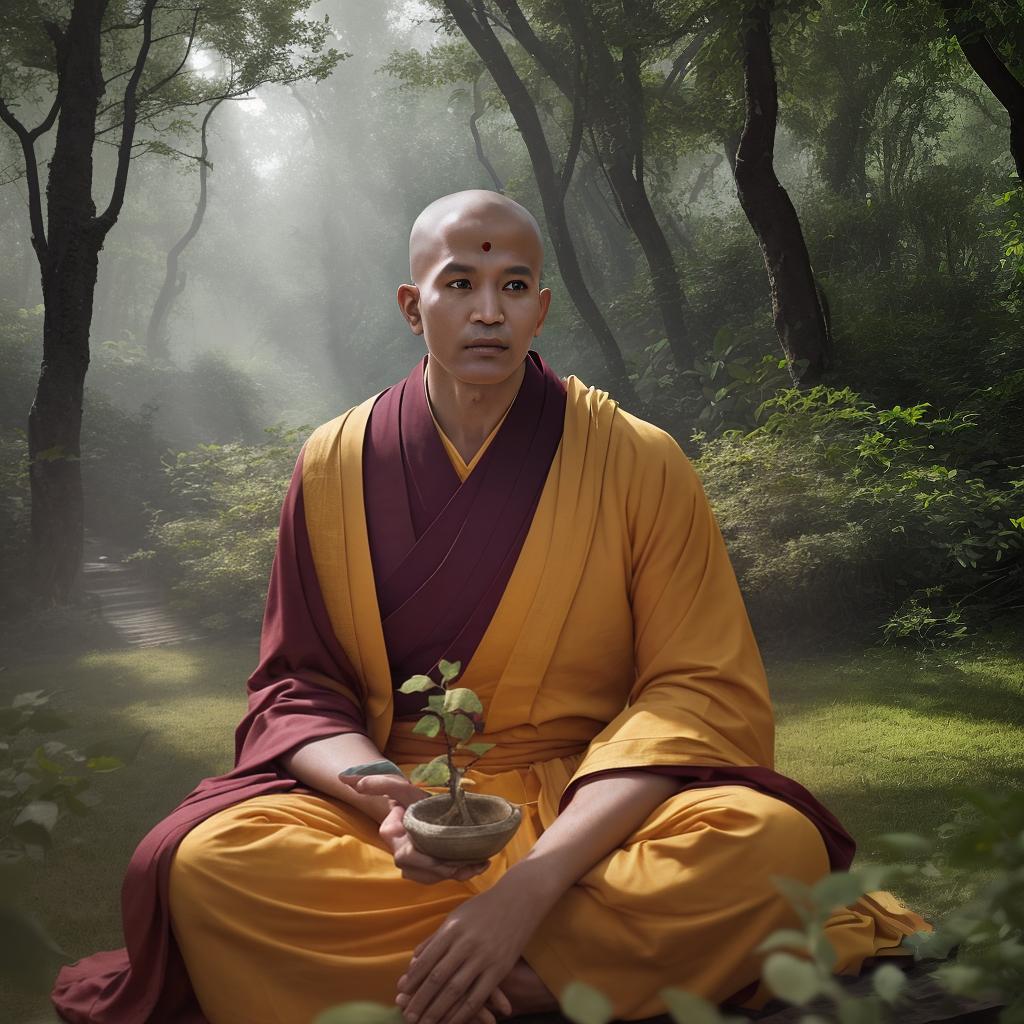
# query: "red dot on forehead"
[[486, 247]]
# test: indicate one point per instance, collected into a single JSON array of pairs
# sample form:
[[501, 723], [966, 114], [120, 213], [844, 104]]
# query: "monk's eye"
[[461, 280], [525, 286]]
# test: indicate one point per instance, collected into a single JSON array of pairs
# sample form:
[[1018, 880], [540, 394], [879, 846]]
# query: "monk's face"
[[477, 299]]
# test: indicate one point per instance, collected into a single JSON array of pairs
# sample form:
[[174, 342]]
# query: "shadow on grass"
[[970, 687]]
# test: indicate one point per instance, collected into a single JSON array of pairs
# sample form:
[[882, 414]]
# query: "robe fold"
[[612, 636]]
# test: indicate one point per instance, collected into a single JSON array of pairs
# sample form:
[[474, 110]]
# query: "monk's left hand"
[[454, 972]]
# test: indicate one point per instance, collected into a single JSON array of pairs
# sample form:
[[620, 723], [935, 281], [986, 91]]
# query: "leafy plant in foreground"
[[40, 782]]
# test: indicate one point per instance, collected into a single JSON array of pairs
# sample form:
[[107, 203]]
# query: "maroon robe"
[[443, 550]]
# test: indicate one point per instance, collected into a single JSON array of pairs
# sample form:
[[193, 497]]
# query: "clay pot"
[[498, 820]]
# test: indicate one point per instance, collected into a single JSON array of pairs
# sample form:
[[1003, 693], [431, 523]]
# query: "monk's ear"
[[544, 298], [409, 304]]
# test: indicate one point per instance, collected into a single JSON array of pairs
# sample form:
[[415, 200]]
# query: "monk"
[[485, 511]]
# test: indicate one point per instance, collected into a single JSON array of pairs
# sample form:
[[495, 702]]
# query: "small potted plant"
[[456, 825]]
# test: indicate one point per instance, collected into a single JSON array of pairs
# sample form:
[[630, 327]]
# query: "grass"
[[884, 737]]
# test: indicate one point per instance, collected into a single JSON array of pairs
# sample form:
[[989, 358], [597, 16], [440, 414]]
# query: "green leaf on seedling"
[[104, 764], [433, 773], [686, 1008], [795, 981], [428, 725], [888, 982], [435, 703], [585, 1005], [461, 727], [416, 684], [360, 1013], [478, 748], [449, 669], [461, 699]]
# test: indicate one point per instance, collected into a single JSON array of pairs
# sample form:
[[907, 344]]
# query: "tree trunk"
[[665, 283], [992, 70], [478, 110], [799, 320], [156, 336], [69, 259], [483, 40]]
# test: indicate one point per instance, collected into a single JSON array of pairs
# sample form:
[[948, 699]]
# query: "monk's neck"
[[467, 413]]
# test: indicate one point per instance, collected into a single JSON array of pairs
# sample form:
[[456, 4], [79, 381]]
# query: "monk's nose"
[[488, 310]]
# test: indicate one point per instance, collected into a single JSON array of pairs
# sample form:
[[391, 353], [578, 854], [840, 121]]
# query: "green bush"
[[42, 780], [839, 513], [217, 549]]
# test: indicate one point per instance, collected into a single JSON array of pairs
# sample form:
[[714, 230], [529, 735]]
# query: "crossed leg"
[[287, 904]]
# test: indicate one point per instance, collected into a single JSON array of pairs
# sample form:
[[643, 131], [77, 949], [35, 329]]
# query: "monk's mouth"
[[487, 345]]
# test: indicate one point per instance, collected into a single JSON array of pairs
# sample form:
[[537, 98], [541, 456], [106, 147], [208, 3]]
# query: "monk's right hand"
[[416, 866]]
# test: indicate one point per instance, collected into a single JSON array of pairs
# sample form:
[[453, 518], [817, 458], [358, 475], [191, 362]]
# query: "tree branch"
[[35, 207], [106, 219], [188, 49], [529, 41], [681, 65]]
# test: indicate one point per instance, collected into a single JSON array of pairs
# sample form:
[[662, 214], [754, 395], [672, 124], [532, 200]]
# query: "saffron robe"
[[620, 641]]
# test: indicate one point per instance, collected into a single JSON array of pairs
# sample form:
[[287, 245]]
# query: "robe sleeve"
[[700, 695], [699, 708], [304, 687]]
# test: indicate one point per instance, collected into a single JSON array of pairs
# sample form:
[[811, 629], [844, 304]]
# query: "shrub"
[[835, 509], [216, 551]]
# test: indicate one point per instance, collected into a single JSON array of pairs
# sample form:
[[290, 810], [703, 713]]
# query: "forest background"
[[791, 233]]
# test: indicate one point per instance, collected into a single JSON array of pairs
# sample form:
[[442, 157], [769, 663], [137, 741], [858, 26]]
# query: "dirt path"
[[133, 607]]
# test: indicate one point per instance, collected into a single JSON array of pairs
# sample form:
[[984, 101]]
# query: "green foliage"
[[990, 927], [248, 45], [862, 510], [1011, 239], [216, 552], [583, 1004], [986, 836], [41, 782], [735, 386], [360, 1013]]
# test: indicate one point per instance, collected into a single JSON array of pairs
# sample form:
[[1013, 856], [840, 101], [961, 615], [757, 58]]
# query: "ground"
[[884, 737]]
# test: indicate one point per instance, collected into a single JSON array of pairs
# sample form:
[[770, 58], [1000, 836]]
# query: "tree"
[[983, 30], [475, 24], [65, 54], [174, 283], [596, 57], [799, 318]]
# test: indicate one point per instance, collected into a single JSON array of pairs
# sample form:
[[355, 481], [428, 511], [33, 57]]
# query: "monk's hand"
[[498, 1006], [414, 865], [454, 972]]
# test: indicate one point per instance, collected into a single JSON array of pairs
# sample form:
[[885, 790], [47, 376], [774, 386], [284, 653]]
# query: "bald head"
[[475, 219]]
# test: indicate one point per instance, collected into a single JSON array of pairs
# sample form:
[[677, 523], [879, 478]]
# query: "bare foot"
[[526, 992]]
